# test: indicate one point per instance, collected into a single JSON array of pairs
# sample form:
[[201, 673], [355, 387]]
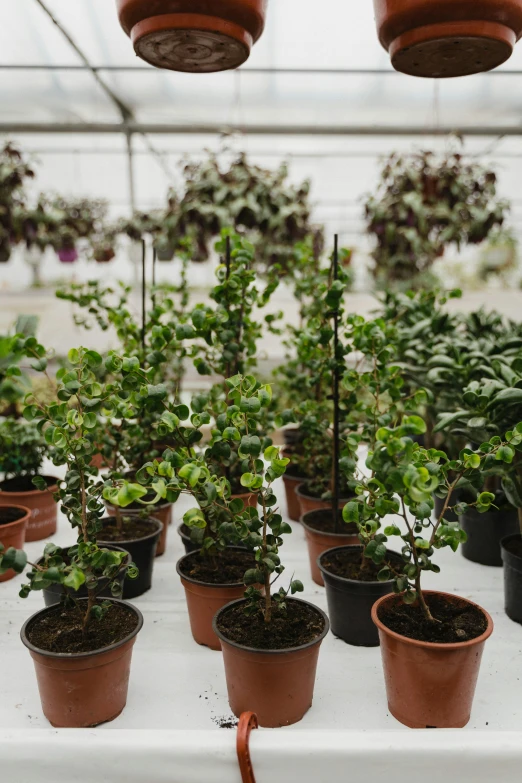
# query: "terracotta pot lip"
[[345, 579], [32, 492], [15, 522], [302, 494], [433, 645], [506, 540], [305, 524], [159, 528], [207, 584], [286, 650], [80, 656]]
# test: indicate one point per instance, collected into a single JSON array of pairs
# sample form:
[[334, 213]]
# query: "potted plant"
[[425, 203], [431, 642], [22, 451], [13, 524], [15, 172], [442, 38], [270, 641]]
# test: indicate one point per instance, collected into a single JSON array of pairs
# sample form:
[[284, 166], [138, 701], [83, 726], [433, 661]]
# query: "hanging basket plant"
[[441, 38], [193, 35]]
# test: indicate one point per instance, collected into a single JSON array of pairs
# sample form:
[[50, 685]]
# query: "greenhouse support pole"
[[143, 293], [154, 259], [336, 383]]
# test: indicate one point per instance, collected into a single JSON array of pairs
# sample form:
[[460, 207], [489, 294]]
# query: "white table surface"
[[169, 730]]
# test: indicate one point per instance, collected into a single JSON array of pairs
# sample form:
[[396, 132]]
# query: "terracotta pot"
[[98, 461], [79, 690], [248, 498], [430, 685], [203, 601], [12, 533], [310, 503], [292, 501], [193, 35], [143, 553], [318, 542], [53, 594], [44, 509], [278, 685], [441, 38], [163, 513]]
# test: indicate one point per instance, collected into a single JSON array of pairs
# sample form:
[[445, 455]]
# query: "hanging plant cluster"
[[425, 203]]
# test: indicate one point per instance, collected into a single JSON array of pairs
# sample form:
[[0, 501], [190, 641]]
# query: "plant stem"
[[267, 613], [425, 608]]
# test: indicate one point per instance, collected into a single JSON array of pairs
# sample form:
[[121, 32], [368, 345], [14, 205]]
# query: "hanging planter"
[[442, 38], [67, 255], [165, 253], [185, 35], [104, 255]]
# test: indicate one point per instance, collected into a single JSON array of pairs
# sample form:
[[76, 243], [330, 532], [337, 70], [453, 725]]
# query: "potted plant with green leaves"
[[82, 647], [431, 642], [270, 640], [22, 452]]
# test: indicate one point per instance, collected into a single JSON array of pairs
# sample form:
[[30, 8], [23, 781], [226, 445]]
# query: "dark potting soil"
[[514, 546], [458, 620], [298, 625], [322, 520], [225, 568], [25, 484], [133, 529], [60, 630], [10, 514], [349, 565]]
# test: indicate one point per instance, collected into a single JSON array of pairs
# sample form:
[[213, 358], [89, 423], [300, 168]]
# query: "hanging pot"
[[321, 536], [350, 601], [511, 548], [278, 685], [143, 552], [79, 690], [43, 521], [165, 253], [13, 524], [68, 255], [5, 251], [430, 685], [193, 35], [485, 532], [441, 38]]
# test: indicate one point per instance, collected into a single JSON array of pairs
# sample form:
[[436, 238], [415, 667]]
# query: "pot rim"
[[317, 640], [79, 656], [132, 540], [25, 518], [319, 500], [511, 537], [32, 492], [433, 645], [207, 584], [323, 570], [322, 532]]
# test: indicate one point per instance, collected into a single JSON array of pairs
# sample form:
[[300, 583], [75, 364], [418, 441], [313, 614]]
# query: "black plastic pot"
[[53, 594], [189, 545], [450, 515], [350, 604], [485, 532], [143, 552], [512, 576]]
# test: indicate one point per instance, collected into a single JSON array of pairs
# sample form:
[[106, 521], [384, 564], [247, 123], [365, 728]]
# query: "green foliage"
[[22, 448]]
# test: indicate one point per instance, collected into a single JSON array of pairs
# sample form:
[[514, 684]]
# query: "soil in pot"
[[431, 669], [54, 594], [140, 538], [320, 535], [20, 490], [485, 532], [270, 668], [511, 548], [351, 591], [210, 584], [82, 676], [160, 511], [13, 524]]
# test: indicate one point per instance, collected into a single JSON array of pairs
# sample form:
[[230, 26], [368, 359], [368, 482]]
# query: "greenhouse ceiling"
[[309, 74]]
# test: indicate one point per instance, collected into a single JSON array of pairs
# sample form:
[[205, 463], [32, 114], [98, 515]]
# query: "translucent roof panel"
[[347, 82]]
